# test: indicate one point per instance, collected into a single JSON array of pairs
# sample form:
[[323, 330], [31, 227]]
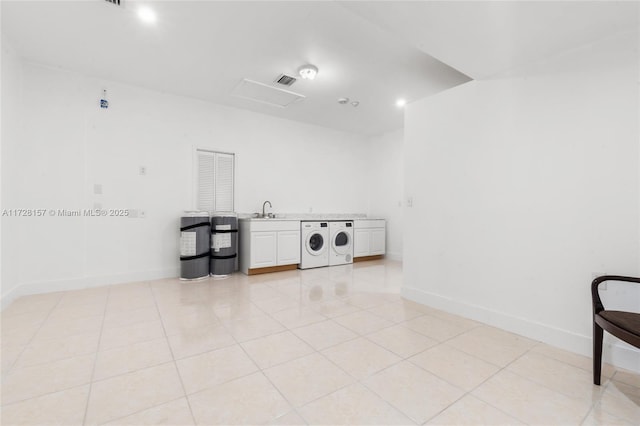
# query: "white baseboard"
[[85, 282], [615, 352], [394, 255]]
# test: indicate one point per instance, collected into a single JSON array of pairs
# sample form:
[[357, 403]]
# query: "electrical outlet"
[[143, 170], [409, 201]]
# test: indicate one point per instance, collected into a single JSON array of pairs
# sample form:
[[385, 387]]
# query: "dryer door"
[[342, 242], [315, 244]]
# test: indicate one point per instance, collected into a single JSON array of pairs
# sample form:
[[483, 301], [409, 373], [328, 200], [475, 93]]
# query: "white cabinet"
[[369, 237], [288, 247], [268, 243], [377, 244], [263, 249], [361, 241]]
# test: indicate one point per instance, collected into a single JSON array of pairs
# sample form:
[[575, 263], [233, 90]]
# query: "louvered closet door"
[[215, 181], [224, 182], [206, 178]]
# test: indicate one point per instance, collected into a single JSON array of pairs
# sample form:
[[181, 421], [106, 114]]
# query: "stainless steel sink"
[[264, 216]]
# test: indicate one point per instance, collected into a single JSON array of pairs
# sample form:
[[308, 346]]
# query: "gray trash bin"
[[224, 243], [195, 233]]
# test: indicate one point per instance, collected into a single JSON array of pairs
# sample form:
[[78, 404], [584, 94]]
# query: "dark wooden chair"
[[624, 325]]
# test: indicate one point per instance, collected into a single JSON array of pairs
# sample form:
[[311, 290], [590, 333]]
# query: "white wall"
[[525, 186], [386, 186], [68, 144], [10, 87]]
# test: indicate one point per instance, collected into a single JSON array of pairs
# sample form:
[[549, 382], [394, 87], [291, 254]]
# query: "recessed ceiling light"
[[147, 15], [308, 72], [400, 103]]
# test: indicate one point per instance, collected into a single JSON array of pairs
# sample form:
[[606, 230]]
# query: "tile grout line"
[[465, 392], [356, 379], [361, 383], [173, 357], [293, 407], [316, 351], [402, 359], [609, 383], [319, 351], [37, 365], [496, 373], [140, 411], [26, 345], [259, 369], [58, 360], [589, 370], [592, 403], [470, 392], [586, 416], [102, 328], [95, 359]]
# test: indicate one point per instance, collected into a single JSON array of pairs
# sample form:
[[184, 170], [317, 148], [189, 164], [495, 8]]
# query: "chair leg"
[[597, 353]]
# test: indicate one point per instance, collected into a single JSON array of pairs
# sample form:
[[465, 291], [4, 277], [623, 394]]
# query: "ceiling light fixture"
[[400, 103], [343, 101], [308, 72], [147, 15]]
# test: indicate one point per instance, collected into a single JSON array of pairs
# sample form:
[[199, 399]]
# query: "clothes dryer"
[[341, 246]]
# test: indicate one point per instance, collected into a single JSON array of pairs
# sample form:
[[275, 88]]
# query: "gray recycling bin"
[[224, 244], [195, 233]]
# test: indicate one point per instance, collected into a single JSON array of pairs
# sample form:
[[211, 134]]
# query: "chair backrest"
[[595, 295]]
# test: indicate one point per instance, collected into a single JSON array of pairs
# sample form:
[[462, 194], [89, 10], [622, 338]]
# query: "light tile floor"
[[325, 346]]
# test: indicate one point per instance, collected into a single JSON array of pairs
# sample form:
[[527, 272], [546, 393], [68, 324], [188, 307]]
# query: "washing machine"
[[314, 249], [341, 247]]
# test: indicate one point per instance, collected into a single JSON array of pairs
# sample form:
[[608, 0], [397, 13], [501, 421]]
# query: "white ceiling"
[[204, 49], [371, 51], [486, 38]]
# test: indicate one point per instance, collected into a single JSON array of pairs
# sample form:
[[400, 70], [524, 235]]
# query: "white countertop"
[[307, 216]]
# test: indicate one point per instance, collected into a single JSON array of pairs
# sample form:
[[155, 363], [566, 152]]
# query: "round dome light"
[[308, 72]]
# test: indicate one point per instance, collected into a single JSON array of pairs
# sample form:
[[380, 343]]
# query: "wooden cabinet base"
[[365, 258], [268, 269]]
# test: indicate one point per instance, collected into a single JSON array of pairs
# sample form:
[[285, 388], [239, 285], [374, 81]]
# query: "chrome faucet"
[[264, 204]]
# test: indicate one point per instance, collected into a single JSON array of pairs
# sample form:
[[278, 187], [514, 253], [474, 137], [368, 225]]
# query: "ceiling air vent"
[[285, 80], [265, 94], [116, 2]]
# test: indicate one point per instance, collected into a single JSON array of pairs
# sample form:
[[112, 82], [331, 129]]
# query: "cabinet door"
[[361, 240], [377, 245], [288, 247], [263, 249]]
